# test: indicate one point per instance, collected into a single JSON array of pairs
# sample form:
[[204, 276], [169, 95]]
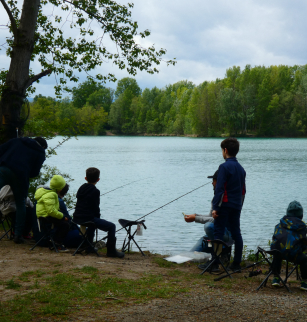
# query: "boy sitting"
[[48, 207], [87, 209], [289, 238]]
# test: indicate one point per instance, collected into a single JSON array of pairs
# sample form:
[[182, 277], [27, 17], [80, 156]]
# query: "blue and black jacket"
[[289, 237], [230, 187]]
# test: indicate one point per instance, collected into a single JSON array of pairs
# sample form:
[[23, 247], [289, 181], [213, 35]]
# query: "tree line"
[[261, 101]]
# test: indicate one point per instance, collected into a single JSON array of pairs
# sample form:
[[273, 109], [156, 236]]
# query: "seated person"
[[208, 222], [48, 207], [87, 209], [73, 238], [8, 208], [289, 238]]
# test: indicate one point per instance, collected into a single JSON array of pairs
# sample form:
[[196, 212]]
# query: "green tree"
[[35, 34], [81, 93], [127, 83]]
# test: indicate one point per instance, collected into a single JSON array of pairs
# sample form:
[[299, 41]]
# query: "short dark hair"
[[64, 191], [92, 175], [42, 142], [232, 145]]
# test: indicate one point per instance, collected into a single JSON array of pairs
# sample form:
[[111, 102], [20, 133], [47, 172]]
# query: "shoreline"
[[42, 285]]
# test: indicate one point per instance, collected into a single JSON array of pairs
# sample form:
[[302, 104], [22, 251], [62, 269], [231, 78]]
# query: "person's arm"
[[37, 165], [50, 207], [5, 146], [202, 219], [219, 190]]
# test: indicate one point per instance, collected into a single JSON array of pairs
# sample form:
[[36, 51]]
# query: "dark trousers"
[[104, 225], [301, 260], [8, 177], [62, 229], [231, 218]]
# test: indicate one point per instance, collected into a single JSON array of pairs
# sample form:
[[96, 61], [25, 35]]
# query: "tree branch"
[[33, 79], [12, 19]]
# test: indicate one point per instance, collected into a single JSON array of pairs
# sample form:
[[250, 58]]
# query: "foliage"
[[67, 53], [254, 101], [44, 177]]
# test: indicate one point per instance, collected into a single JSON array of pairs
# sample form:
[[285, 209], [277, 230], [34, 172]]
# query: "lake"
[[168, 167]]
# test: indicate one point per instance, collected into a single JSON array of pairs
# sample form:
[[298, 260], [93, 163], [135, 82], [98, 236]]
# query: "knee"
[[209, 228]]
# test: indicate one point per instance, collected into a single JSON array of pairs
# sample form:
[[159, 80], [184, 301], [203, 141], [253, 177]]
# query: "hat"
[[214, 176], [295, 209]]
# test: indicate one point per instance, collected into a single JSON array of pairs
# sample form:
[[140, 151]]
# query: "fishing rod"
[[116, 189], [163, 206]]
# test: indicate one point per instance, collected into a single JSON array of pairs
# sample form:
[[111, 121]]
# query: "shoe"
[[276, 282], [61, 248], [27, 236], [18, 240], [234, 267], [111, 249], [213, 268], [303, 286]]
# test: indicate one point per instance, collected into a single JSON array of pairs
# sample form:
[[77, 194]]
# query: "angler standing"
[[228, 199], [20, 160]]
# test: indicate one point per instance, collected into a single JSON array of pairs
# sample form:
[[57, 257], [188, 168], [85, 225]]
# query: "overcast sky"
[[207, 37]]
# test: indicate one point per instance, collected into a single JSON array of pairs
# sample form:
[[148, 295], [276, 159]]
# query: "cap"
[[214, 176]]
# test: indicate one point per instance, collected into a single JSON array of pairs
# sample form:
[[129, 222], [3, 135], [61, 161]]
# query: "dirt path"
[[202, 300]]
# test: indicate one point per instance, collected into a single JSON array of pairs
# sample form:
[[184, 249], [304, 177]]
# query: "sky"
[[206, 38]]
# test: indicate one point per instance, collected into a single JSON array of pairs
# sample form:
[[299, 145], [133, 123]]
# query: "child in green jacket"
[[48, 207]]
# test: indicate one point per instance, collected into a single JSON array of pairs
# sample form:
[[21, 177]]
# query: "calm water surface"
[[276, 174]]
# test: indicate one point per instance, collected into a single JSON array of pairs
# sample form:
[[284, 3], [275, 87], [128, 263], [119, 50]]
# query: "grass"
[[62, 295]]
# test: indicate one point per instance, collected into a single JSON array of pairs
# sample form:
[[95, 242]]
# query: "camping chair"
[[275, 252], [86, 243], [127, 224], [45, 227], [219, 247], [7, 223]]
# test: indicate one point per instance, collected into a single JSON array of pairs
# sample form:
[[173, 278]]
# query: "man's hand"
[[214, 214], [189, 218]]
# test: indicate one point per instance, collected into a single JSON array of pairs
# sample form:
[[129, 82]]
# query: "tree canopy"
[[59, 36]]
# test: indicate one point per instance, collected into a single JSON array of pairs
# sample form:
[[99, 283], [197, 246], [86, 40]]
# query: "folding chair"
[[7, 223], [219, 247], [85, 244], [47, 229], [276, 252], [127, 224]]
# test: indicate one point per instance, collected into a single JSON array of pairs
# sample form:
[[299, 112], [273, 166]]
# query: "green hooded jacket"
[[47, 199]]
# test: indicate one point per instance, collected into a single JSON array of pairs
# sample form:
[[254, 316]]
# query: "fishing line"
[[163, 206], [116, 189]]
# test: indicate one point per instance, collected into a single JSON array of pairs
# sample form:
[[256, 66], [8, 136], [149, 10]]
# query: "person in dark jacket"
[[290, 239], [87, 209], [21, 159], [228, 199]]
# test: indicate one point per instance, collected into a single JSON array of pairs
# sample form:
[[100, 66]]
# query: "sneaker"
[[213, 268], [235, 267], [18, 240], [61, 248], [276, 282], [27, 236], [303, 286]]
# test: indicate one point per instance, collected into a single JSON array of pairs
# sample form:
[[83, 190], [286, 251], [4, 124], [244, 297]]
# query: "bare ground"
[[205, 300]]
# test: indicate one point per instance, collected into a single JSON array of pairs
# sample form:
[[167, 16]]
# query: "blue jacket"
[[230, 187], [288, 237], [25, 157]]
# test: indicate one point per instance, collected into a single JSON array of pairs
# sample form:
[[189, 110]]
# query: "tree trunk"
[[18, 80]]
